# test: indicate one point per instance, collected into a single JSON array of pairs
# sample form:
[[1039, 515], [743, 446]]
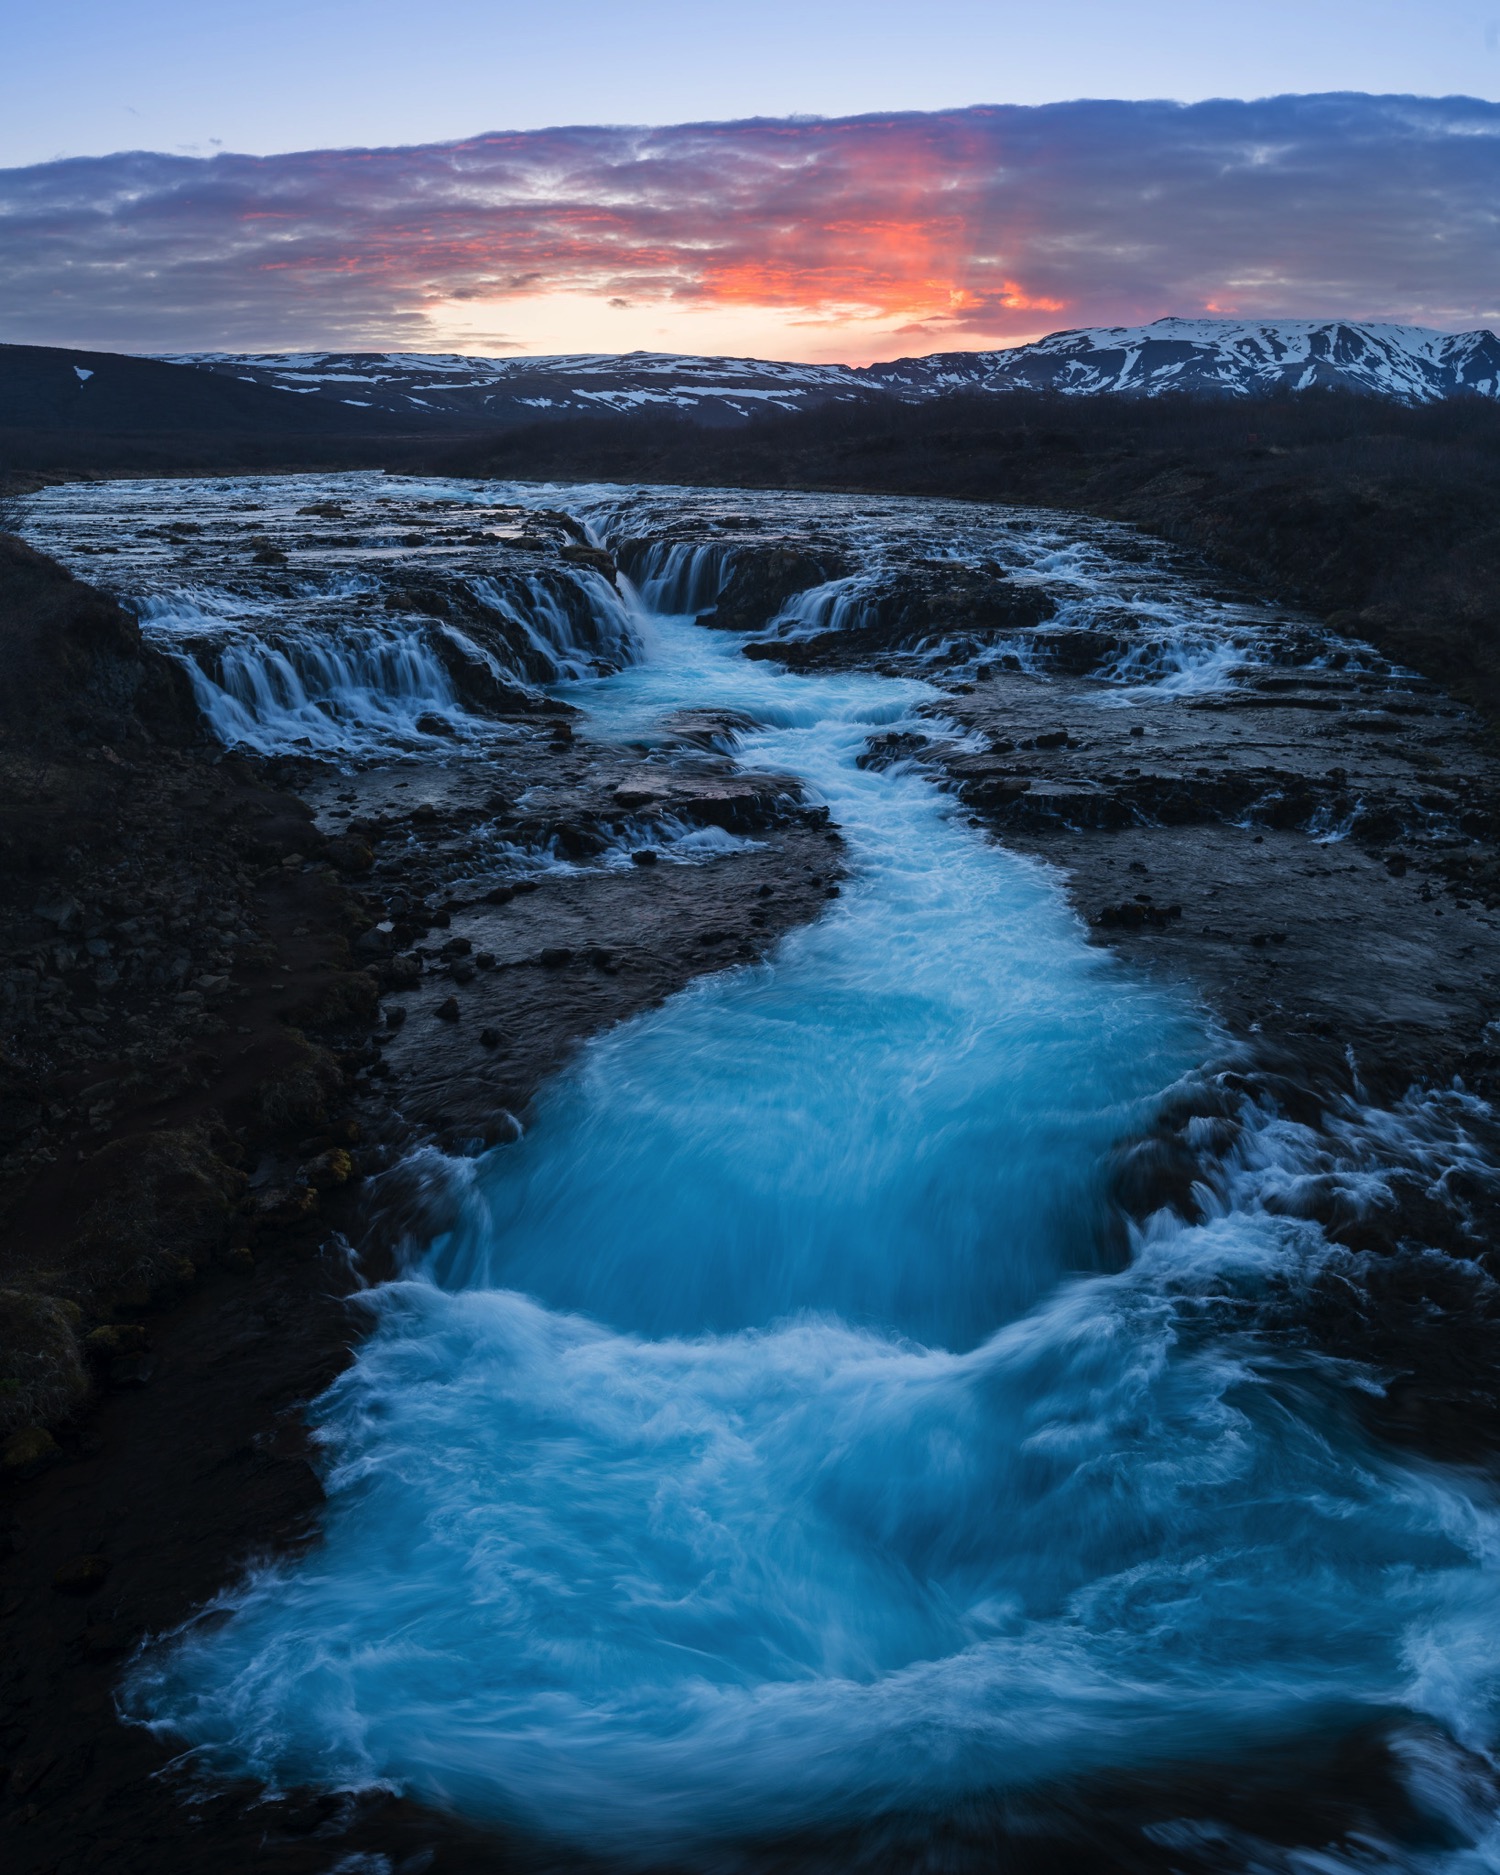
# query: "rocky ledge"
[[233, 990]]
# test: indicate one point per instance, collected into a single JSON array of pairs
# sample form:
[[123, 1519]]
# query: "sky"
[[823, 181]]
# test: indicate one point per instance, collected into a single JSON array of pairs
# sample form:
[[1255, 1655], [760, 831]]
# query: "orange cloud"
[[811, 238]]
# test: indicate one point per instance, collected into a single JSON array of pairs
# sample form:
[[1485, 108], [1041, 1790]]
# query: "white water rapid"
[[780, 1440]]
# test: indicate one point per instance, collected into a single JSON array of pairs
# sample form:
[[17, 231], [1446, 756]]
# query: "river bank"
[[206, 1082], [1322, 941]]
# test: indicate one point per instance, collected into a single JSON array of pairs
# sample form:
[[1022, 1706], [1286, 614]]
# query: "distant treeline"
[[1383, 519]]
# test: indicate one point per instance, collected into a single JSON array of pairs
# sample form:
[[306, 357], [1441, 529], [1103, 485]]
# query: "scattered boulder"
[[42, 1375], [281, 1207], [296, 1099], [1137, 915], [328, 1170], [27, 1451]]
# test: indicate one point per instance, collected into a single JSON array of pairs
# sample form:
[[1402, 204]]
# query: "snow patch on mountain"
[[1224, 357], [1201, 357]]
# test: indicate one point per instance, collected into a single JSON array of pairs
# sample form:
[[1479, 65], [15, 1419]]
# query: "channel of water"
[[786, 1434]]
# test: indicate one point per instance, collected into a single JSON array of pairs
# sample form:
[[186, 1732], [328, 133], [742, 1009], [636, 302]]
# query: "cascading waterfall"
[[780, 1440], [678, 579], [363, 689], [357, 688]]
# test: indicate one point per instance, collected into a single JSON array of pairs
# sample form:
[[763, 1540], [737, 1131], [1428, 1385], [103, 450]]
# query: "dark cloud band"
[[953, 228]]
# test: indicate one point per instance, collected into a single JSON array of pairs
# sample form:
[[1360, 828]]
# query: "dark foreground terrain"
[[237, 990]]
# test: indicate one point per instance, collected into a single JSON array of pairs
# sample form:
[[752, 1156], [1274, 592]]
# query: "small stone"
[[647, 856], [113, 1339], [395, 1016], [329, 1169], [554, 957], [350, 855], [462, 971], [484, 960], [281, 1205], [489, 1038], [447, 1010], [457, 947]]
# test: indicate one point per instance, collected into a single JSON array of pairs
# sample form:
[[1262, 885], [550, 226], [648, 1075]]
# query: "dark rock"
[[937, 607], [282, 1207], [350, 855], [328, 1170], [27, 1451], [81, 1576], [882, 752], [760, 581], [1133, 915], [447, 1010]]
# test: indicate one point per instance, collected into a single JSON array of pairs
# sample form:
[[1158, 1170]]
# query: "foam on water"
[[778, 1441]]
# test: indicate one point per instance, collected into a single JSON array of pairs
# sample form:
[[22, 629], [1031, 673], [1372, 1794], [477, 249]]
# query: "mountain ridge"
[[1200, 357]]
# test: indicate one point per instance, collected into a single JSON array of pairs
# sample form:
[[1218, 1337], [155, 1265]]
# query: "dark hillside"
[[44, 388], [1384, 519], [104, 413]]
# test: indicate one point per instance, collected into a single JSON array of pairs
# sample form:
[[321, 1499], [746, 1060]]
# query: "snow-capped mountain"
[[1202, 357], [524, 390], [1222, 357]]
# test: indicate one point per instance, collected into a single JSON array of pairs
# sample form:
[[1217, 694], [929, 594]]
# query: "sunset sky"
[[831, 183]]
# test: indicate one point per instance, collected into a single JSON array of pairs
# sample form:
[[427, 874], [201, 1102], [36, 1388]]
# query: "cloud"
[[851, 237]]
